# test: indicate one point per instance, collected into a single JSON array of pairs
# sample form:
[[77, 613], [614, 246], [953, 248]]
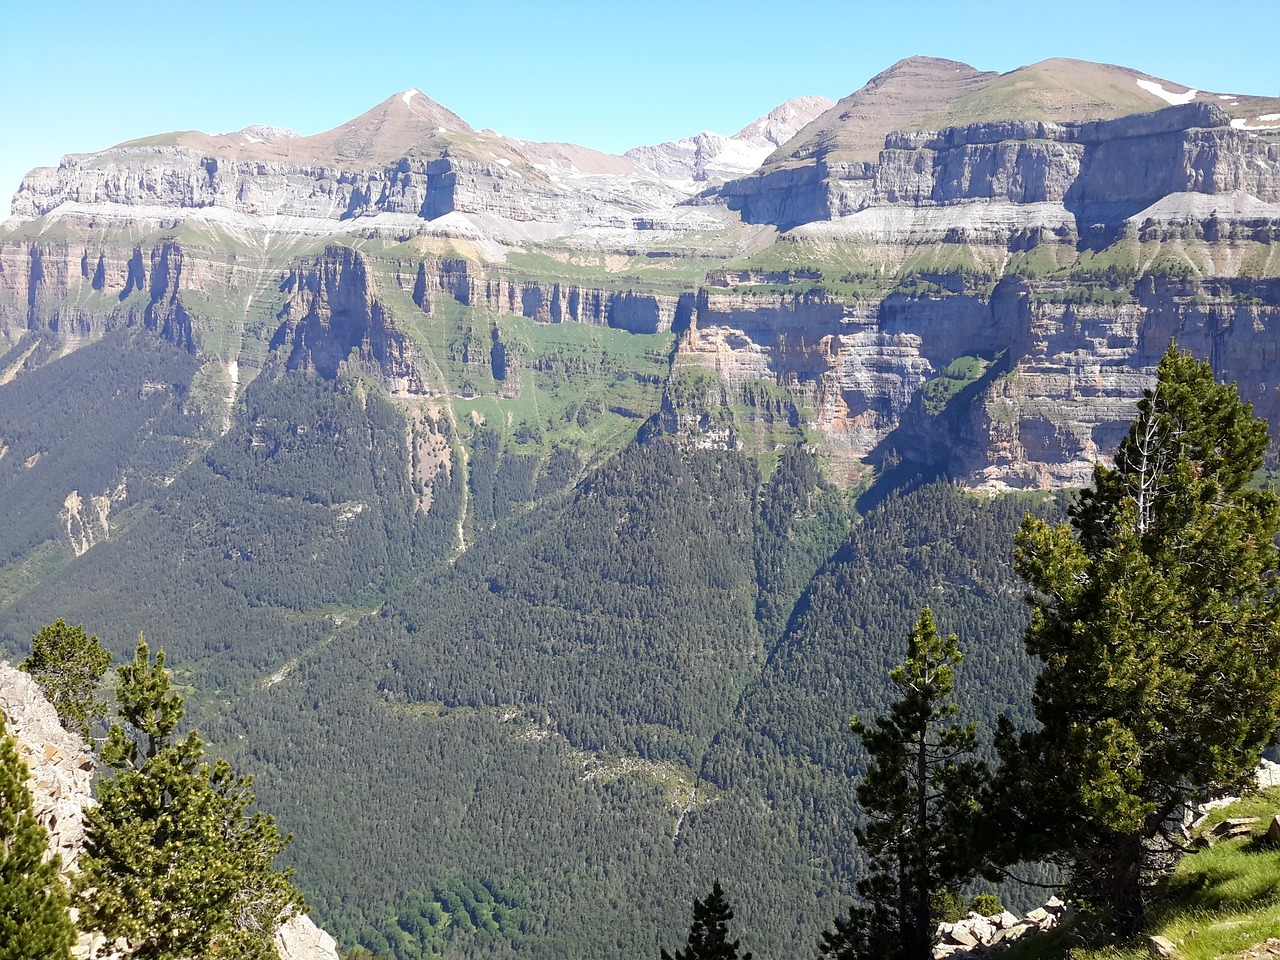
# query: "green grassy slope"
[[1220, 902]]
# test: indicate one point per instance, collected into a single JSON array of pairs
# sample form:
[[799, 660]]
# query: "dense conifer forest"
[[633, 678]]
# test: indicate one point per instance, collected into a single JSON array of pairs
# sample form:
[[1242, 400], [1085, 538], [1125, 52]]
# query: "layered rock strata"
[[1059, 384], [1098, 172]]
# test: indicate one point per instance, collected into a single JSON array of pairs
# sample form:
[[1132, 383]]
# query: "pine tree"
[[68, 664], [709, 932], [173, 859], [34, 920], [918, 798], [1158, 626]]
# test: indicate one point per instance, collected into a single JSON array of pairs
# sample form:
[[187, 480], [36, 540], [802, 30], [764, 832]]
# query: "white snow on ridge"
[[407, 97], [1242, 124], [1174, 98]]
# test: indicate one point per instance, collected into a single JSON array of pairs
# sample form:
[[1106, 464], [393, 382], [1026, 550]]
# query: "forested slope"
[[538, 717]]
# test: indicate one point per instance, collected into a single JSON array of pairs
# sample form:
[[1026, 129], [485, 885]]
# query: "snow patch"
[[1266, 117], [407, 97], [1226, 96], [251, 139], [1167, 96], [441, 130], [1242, 124]]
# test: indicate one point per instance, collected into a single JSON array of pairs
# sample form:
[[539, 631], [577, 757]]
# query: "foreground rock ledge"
[[61, 769]]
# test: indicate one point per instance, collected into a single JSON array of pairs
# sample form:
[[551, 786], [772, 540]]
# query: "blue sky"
[[80, 76]]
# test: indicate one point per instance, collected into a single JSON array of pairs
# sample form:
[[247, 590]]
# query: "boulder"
[[1161, 947], [1016, 932], [960, 936], [1267, 774], [1273, 830], [1007, 920], [300, 939], [1234, 827]]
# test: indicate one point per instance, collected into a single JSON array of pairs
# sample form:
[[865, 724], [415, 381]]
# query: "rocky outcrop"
[[62, 767], [976, 935], [60, 764], [1058, 375], [298, 938], [87, 520], [332, 315]]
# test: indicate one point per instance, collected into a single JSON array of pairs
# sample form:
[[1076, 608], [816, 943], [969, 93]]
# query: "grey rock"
[[60, 764], [1267, 775], [298, 938], [1234, 828]]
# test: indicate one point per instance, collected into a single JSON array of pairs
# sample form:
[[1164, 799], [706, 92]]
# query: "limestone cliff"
[[1049, 387], [1098, 138], [61, 770], [969, 270], [1090, 175], [407, 163], [332, 314]]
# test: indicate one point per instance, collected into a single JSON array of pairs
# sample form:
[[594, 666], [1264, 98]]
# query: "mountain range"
[[794, 253], [531, 520]]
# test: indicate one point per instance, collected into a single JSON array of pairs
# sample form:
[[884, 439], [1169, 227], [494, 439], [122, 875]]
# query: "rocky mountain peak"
[[710, 157], [783, 122], [389, 130], [917, 69], [895, 99], [269, 134]]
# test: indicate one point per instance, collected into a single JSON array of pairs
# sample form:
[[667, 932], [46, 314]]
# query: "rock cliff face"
[[400, 166], [972, 270], [1019, 136], [333, 314], [1100, 172], [1057, 382], [61, 769], [558, 303], [77, 291]]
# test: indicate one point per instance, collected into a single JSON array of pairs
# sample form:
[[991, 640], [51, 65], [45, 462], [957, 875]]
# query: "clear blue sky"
[[78, 76]]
